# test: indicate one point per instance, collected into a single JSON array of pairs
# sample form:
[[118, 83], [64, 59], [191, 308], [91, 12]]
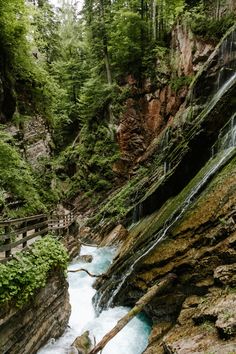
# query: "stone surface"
[[24, 331], [85, 258], [117, 235], [226, 274], [82, 343], [187, 337], [37, 140], [190, 53]]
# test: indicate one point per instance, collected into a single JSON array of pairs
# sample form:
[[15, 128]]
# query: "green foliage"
[[117, 205], [156, 62], [13, 26], [94, 99], [211, 28], [21, 277], [208, 326], [50, 189], [178, 82], [206, 26], [16, 177], [46, 30], [93, 156], [125, 41]]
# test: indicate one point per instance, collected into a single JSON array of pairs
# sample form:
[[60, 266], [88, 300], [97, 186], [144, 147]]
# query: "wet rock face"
[[201, 251], [150, 109], [26, 330]]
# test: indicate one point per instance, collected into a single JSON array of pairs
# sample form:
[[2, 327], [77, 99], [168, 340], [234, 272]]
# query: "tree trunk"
[[145, 299], [107, 64], [154, 20]]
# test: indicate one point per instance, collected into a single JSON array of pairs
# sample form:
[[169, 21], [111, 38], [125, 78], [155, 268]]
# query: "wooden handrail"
[[16, 221], [12, 245], [37, 225], [25, 229]]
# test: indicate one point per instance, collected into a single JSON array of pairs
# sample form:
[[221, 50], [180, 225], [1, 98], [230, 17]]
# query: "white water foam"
[[131, 340]]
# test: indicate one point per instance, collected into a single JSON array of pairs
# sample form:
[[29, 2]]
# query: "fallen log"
[[84, 270], [143, 301]]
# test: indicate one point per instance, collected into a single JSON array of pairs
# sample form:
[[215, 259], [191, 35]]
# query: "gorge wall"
[[153, 106], [25, 330], [186, 220]]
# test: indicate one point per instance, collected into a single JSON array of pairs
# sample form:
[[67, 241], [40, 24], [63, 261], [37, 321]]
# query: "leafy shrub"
[[21, 277], [16, 176], [179, 82]]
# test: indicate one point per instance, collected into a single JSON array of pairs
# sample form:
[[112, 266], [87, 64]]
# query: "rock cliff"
[[24, 331], [186, 220], [152, 107]]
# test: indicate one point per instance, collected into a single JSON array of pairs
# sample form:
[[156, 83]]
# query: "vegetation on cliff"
[[72, 67], [85, 74], [22, 276]]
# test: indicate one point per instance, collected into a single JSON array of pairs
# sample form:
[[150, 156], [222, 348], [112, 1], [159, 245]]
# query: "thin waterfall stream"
[[223, 151], [133, 339]]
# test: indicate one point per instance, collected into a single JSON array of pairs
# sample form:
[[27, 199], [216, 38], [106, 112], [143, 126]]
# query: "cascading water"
[[217, 96], [226, 137], [225, 147], [131, 340], [226, 60]]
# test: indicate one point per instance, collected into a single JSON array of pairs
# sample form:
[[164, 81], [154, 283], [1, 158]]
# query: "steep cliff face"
[[184, 144], [153, 106], [186, 221], [201, 251], [27, 329]]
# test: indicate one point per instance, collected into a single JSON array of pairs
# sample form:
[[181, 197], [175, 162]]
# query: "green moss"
[[150, 225], [179, 82], [21, 277]]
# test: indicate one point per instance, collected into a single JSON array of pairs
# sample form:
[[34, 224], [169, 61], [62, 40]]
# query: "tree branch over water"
[[141, 303], [86, 271]]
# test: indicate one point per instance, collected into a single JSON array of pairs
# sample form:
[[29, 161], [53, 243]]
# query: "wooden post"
[[24, 244], [7, 241], [143, 301]]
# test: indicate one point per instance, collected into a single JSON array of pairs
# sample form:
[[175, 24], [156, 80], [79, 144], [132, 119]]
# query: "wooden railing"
[[61, 221], [16, 234]]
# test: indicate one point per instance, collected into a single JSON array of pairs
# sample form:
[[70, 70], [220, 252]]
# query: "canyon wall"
[[186, 221], [25, 330]]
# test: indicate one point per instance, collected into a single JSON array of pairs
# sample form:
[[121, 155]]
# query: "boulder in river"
[[82, 344], [85, 258]]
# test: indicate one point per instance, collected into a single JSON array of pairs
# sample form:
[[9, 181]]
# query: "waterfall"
[[225, 149], [226, 137], [226, 60], [137, 213], [218, 95]]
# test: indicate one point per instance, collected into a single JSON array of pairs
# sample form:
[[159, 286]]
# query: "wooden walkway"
[[16, 234]]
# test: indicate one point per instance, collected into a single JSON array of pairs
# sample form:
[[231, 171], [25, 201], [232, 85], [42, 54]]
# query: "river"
[[132, 339]]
